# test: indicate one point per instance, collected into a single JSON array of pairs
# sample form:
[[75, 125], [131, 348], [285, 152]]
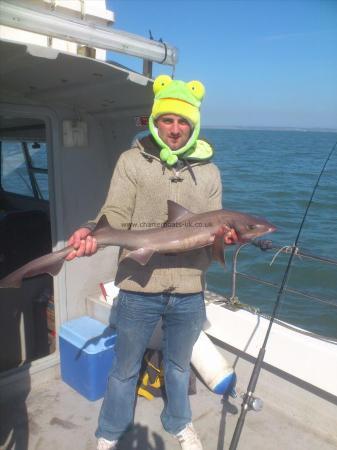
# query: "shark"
[[183, 231]]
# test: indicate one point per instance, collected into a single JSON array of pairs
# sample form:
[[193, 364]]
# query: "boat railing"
[[233, 302], [266, 245]]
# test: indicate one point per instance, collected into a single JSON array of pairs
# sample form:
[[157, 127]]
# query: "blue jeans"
[[183, 316]]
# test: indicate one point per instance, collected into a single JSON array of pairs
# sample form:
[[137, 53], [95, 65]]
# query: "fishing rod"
[[248, 398]]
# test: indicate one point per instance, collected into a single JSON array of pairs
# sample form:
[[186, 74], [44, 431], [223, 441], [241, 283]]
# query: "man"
[[169, 164]]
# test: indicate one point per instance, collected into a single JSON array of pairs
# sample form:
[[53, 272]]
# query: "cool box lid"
[[88, 334]]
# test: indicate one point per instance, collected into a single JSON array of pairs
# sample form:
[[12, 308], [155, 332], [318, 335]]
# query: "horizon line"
[[271, 127]]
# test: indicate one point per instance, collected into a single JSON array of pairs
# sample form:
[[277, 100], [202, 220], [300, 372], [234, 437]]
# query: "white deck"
[[55, 417], [52, 415]]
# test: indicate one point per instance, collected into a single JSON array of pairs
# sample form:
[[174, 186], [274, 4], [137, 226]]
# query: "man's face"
[[174, 130]]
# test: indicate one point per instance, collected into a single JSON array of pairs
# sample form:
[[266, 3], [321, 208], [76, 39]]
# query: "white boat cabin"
[[64, 119]]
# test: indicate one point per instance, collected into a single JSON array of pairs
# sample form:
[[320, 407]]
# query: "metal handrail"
[[267, 245]]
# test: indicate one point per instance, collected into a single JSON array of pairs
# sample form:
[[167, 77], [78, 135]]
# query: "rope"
[[285, 249], [267, 245], [165, 48]]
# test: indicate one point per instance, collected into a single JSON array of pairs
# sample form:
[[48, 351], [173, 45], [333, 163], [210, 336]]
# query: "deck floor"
[[55, 417]]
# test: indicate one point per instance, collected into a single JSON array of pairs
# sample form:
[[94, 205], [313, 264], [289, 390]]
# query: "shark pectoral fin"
[[142, 255], [218, 247]]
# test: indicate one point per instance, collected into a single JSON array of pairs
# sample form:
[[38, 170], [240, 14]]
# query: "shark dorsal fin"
[[102, 223], [176, 212]]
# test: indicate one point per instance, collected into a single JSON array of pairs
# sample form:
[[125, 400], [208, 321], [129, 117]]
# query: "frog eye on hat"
[[161, 82], [197, 89]]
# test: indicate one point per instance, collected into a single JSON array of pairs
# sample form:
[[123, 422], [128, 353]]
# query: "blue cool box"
[[87, 352]]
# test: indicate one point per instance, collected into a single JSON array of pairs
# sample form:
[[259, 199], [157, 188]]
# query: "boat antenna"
[[248, 396]]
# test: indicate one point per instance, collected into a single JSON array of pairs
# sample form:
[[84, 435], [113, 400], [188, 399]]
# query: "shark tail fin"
[[36, 267], [55, 267], [11, 281]]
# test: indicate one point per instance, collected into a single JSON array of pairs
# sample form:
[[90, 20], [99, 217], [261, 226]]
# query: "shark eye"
[[251, 227], [161, 82], [197, 89]]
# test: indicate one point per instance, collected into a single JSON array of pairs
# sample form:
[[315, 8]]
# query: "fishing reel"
[[253, 403]]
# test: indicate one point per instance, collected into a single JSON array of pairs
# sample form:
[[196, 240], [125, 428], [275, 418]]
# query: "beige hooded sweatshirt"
[[137, 199]]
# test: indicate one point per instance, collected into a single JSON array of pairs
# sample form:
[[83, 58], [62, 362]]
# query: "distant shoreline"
[[243, 128]]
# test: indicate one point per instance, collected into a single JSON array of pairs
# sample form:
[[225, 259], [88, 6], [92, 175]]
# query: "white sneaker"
[[188, 438], [104, 444]]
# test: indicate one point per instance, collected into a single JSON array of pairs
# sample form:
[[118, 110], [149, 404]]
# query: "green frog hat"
[[182, 99]]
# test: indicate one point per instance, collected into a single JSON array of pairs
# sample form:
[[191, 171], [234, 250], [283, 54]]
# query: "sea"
[[272, 174]]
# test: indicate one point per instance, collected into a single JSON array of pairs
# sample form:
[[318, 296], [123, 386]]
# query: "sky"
[[263, 62]]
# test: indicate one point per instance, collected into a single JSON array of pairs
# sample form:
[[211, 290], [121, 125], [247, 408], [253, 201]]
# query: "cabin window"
[[24, 168], [27, 324]]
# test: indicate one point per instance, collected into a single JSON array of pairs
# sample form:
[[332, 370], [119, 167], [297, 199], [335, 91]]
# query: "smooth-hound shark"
[[183, 231]]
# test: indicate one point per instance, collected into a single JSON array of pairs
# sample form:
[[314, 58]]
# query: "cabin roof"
[[46, 75]]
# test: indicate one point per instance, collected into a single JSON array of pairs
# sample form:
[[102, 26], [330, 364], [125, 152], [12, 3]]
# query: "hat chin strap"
[[170, 157]]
